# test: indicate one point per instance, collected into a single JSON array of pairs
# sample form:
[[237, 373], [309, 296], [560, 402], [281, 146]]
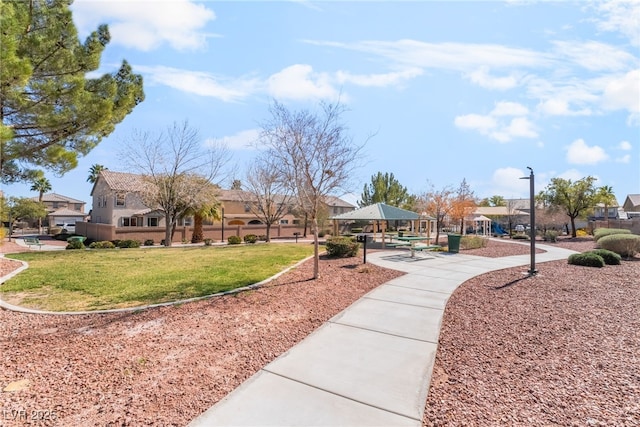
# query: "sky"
[[437, 91]]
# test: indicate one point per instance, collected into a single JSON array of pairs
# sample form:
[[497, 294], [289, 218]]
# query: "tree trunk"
[[573, 227], [198, 235], [268, 232], [316, 250], [168, 230]]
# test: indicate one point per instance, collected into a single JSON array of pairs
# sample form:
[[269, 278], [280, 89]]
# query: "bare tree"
[[178, 170], [270, 197], [313, 156], [438, 204]]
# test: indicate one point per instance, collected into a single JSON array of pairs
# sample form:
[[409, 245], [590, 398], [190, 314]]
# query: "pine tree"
[[50, 112]]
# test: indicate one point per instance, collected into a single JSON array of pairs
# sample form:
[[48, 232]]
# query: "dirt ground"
[[558, 349]]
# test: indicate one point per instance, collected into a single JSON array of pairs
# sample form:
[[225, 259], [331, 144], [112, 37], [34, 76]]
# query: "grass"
[[103, 279]]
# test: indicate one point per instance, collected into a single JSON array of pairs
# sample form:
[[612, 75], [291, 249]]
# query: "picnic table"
[[32, 241], [413, 243]]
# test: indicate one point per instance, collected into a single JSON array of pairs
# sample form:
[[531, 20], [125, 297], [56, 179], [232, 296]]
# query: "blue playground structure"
[[497, 229]]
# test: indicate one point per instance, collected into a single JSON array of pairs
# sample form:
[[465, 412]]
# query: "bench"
[[395, 245], [426, 247], [33, 241]]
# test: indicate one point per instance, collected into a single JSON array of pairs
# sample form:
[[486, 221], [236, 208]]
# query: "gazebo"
[[483, 221], [383, 213]]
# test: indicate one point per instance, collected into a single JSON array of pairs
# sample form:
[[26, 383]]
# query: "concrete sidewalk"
[[371, 364]]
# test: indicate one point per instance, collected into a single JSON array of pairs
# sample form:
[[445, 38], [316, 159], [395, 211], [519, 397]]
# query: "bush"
[[609, 257], [626, 245], [104, 244], [602, 232], [75, 244], [520, 237], [250, 238], [342, 247], [473, 242], [550, 236], [581, 232], [129, 243], [149, 242], [586, 259], [234, 240], [208, 242]]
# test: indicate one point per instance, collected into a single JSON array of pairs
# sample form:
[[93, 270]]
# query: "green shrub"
[[586, 259], [234, 240], [626, 245], [208, 242], [602, 232], [520, 237], [104, 244], [473, 242], [129, 243], [609, 257], [149, 242], [342, 247], [550, 236], [75, 244], [250, 238]]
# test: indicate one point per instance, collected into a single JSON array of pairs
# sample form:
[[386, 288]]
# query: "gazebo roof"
[[379, 211]]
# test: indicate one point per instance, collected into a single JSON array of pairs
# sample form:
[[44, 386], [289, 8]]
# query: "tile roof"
[[55, 197], [122, 181]]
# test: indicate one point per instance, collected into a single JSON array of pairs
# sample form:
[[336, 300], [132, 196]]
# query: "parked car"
[[520, 228], [67, 227]]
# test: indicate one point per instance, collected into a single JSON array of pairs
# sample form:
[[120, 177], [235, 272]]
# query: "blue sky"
[[450, 90]]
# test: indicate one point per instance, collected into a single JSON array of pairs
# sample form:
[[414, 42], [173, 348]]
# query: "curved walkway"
[[371, 364]]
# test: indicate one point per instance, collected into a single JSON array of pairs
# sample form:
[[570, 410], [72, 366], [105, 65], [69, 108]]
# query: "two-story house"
[[118, 212], [62, 209]]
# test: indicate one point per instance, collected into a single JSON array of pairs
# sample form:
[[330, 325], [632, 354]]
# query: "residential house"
[[631, 205], [118, 212], [62, 209]]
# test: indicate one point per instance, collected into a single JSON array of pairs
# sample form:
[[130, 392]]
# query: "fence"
[[99, 232], [629, 224]]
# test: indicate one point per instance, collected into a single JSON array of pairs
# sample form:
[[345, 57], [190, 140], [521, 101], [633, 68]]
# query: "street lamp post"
[[532, 215]]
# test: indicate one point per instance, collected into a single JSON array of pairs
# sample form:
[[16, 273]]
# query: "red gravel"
[[558, 349]]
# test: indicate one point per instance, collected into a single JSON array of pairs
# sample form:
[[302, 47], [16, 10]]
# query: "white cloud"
[[560, 107], [573, 175], [496, 127], [199, 83], [621, 16], [625, 146], [579, 153], [623, 93], [301, 82], [508, 183], [483, 124], [242, 140], [594, 56], [448, 55], [482, 78], [378, 80], [624, 159], [506, 108], [145, 24]]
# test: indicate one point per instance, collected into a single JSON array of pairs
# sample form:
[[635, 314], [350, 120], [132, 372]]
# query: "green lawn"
[[116, 278]]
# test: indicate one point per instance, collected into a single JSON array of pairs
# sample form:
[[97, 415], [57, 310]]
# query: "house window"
[[247, 208], [152, 222], [120, 199], [296, 222], [77, 207], [186, 222], [55, 205], [104, 201], [130, 222], [284, 221]]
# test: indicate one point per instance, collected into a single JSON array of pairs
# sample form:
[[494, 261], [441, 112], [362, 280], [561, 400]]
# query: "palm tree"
[[605, 196], [210, 211], [41, 185], [94, 172]]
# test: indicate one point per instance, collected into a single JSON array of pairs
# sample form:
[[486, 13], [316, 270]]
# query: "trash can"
[[454, 242]]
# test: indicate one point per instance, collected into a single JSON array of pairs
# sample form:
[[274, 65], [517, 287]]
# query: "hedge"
[[586, 259], [342, 247], [626, 245], [601, 232]]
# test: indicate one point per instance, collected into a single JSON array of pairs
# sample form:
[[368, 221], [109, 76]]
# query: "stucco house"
[[62, 209], [631, 205], [119, 212]]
